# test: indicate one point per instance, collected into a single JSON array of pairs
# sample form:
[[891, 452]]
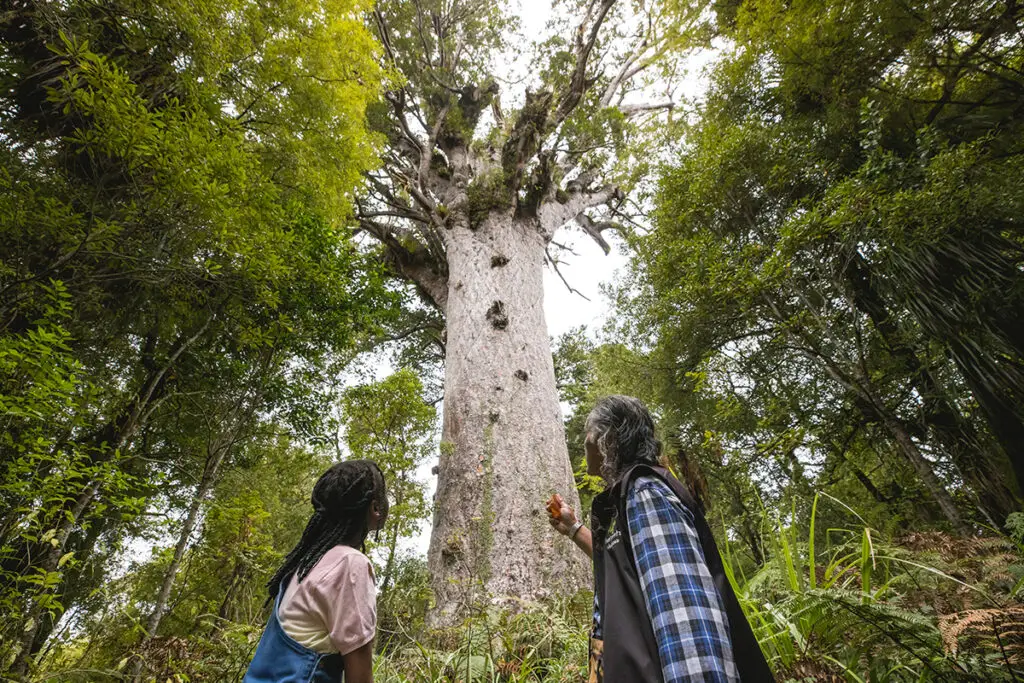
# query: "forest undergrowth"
[[831, 604], [920, 606]]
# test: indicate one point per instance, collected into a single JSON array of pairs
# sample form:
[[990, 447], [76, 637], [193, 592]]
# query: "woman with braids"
[[663, 608], [325, 604]]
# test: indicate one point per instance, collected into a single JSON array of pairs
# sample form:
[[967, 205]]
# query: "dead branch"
[[554, 266], [637, 109], [594, 229]]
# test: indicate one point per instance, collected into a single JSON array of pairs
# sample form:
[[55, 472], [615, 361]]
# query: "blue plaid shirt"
[[686, 611]]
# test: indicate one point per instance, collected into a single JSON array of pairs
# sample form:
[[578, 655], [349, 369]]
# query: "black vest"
[[630, 648]]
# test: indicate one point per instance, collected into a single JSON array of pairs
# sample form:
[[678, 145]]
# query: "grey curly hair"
[[623, 430]]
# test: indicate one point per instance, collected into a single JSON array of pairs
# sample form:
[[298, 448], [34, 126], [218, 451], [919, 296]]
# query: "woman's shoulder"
[[652, 484], [648, 490], [348, 556], [340, 563], [346, 553]]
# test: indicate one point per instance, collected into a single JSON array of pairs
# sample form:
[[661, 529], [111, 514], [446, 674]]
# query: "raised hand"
[[560, 515]]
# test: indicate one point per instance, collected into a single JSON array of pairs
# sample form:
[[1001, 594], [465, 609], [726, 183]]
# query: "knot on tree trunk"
[[496, 315]]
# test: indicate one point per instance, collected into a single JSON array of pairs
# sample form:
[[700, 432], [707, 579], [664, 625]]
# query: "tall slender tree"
[[389, 422]]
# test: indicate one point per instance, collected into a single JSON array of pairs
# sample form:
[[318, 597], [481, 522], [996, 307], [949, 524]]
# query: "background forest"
[[824, 308]]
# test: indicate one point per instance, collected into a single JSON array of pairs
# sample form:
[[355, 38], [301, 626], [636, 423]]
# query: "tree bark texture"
[[503, 449]]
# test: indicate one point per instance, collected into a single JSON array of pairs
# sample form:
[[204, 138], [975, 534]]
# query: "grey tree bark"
[[505, 446]]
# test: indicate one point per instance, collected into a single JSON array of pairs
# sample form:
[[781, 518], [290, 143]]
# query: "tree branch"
[[624, 71], [594, 229], [408, 258], [553, 215], [579, 84], [635, 109], [554, 265]]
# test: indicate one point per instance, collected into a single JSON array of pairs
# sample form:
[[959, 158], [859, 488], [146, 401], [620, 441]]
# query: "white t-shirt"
[[333, 609]]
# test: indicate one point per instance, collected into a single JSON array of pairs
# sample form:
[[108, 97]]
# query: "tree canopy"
[[838, 248], [176, 270]]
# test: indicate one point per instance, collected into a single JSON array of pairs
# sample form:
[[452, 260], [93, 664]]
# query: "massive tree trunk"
[[503, 446]]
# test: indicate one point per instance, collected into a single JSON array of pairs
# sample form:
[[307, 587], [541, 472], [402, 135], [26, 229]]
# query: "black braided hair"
[[341, 500]]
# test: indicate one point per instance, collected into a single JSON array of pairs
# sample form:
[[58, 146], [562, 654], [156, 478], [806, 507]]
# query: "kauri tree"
[[466, 207]]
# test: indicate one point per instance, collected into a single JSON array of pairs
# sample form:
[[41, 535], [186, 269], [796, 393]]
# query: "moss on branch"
[[487, 193], [463, 113], [526, 135]]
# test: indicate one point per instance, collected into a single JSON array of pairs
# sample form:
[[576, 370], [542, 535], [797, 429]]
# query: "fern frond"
[[992, 630]]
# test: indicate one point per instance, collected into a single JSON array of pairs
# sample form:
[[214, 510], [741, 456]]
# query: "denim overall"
[[279, 659]]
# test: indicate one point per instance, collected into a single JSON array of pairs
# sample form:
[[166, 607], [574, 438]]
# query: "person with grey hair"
[[664, 610]]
